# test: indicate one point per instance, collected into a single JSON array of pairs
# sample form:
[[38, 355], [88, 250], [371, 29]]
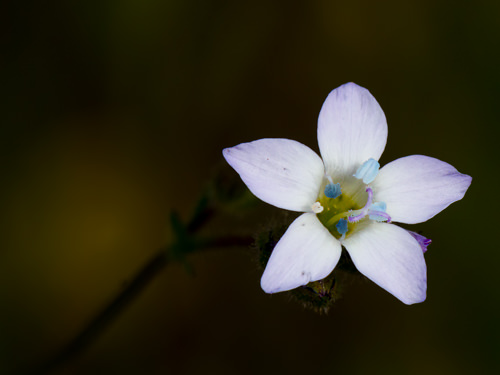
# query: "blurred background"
[[114, 114]]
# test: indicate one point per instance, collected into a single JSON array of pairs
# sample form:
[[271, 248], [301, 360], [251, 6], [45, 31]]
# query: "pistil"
[[344, 209], [374, 211]]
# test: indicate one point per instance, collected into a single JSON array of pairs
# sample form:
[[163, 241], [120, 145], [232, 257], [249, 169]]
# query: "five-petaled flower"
[[346, 200]]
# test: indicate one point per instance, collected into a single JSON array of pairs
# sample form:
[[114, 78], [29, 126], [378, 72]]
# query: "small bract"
[[346, 199]]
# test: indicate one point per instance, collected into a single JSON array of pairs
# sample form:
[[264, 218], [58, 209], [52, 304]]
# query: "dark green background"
[[113, 113]]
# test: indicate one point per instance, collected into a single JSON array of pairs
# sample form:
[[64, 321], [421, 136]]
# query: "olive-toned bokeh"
[[114, 113]]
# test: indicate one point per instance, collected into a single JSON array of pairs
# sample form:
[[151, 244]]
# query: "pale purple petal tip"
[[422, 241], [417, 187]]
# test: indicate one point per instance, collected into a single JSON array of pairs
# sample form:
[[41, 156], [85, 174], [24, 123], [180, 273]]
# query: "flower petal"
[[351, 129], [389, 256], [417, 187], [306, 252], [281, 172]]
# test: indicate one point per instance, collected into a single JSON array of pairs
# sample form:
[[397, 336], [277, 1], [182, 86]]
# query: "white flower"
[[346, 200]]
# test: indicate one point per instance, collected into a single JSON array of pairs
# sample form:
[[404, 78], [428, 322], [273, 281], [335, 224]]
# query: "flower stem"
[[139, 283], [97, 325]]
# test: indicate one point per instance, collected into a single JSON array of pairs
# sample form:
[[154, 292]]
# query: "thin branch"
[[138, 284], [90, 333]]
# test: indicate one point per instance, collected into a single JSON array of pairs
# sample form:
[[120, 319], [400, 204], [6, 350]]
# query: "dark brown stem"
[[138, 284]]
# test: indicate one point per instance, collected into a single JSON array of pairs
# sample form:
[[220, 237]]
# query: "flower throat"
[[342, 213]]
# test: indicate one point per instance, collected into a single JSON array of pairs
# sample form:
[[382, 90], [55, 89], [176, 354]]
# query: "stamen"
[[342, 228], [359, 214], [370, 197], [368, 171], [377, 212], [378, 206], [379, 216], [317, 208], [333, 190], [374, 211], [338, 217]]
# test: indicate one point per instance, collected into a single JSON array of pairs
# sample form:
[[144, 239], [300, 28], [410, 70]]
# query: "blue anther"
[[378, 206], [379, 216], [332, 190], [377, 212], [342, 227], [368, 171]]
